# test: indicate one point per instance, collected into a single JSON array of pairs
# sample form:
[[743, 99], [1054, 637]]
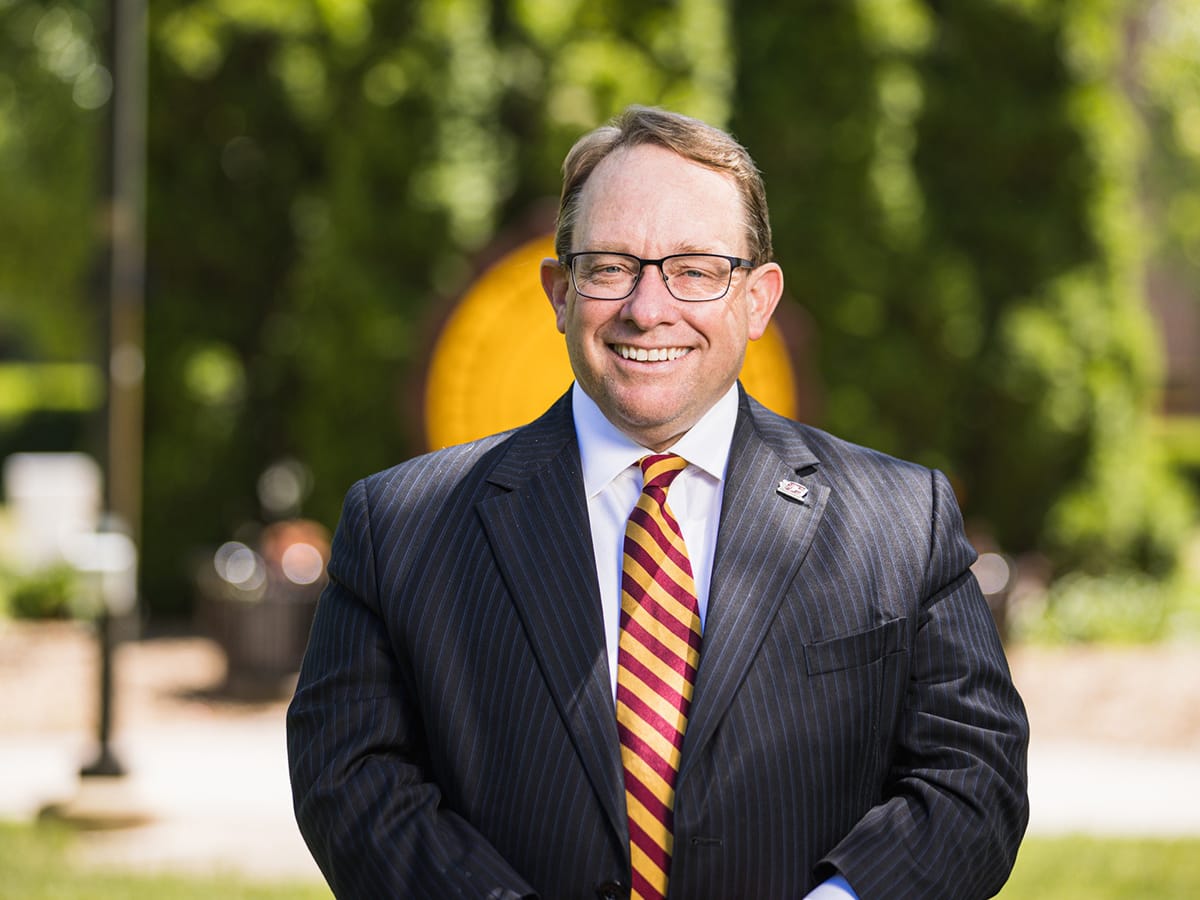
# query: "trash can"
[[258, 604]]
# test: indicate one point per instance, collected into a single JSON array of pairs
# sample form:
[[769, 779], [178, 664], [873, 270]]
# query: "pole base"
[[104, 765]]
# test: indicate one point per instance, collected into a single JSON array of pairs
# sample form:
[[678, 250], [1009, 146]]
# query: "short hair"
[[690, 138]]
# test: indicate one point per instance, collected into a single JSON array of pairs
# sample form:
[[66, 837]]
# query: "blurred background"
[[231, 232]]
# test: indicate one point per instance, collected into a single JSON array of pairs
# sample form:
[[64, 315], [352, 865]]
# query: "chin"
[[648, 425]]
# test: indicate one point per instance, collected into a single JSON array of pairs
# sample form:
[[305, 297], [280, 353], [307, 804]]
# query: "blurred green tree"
[[53, 87], [953, 194], [1164, 77]]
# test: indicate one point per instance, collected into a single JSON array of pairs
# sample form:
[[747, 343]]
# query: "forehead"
[[649, 199]]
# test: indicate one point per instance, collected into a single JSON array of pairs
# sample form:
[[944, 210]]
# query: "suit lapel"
[[539, 533], [762, 540]]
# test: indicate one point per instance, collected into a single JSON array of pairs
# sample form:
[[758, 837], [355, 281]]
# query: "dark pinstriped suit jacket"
[[453, 731]]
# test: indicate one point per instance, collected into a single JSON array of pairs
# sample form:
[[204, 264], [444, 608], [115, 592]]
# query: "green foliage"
[[51, 593], [1117, 607], [1180, 439], [28, 387], [52, 90], [38, 865], [1122, 608], [952, 201], [1167, 73]]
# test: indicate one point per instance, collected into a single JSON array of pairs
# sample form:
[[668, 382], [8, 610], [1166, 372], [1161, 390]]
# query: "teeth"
[[658, 354]]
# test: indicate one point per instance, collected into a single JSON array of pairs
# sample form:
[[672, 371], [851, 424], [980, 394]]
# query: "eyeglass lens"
[[613, 276]]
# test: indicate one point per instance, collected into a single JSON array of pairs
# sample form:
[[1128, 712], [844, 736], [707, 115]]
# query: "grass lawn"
[[35, 865], [1073, 868]]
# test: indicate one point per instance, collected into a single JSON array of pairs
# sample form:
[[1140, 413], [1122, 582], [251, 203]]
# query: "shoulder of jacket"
[[835, 455], [436, 470]]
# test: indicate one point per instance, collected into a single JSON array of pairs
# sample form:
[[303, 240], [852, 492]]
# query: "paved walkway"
[[198, 798], [1094, 789], [207, 785]]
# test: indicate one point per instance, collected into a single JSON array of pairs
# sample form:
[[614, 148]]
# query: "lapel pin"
[[793, 490]]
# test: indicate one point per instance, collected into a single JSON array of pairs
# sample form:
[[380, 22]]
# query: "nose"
[[650, 303]]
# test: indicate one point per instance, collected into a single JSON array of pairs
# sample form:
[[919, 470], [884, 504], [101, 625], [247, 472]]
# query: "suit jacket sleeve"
[[954, 805], [367, 808]]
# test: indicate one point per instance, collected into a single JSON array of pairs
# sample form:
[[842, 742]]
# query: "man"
[[778, 680]]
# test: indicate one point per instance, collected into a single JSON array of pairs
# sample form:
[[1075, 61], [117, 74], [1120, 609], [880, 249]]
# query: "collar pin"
[[793, 490]]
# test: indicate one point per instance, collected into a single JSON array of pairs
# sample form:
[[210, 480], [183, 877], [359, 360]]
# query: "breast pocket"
[[854, 650]]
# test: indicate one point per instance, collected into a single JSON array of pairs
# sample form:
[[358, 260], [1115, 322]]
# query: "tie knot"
[[660, 469]]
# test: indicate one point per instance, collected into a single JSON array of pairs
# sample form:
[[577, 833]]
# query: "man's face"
[[650, 202]]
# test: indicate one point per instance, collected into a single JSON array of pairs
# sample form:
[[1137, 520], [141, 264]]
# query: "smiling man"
[[660, 642], [657, 354]]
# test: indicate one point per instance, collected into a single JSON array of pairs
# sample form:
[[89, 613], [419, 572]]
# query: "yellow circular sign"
[[500, 362]]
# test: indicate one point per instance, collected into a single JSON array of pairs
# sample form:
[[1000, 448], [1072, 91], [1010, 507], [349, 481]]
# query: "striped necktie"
[[657, 655]]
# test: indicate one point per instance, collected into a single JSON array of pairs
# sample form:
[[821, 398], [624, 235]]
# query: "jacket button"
[[612, 890]]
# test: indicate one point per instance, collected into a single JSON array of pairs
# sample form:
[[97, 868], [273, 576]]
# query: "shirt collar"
[[605, 451]]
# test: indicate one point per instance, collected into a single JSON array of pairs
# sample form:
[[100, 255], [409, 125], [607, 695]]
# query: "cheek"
[[583, 323], [725, 330]]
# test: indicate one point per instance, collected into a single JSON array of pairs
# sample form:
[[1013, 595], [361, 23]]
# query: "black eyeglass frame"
[[735, 263]]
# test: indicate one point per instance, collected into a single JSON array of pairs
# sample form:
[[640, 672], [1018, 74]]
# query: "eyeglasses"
[[693, 277]]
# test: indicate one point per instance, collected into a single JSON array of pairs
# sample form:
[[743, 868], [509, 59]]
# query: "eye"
[[697, 268], [606, 266]]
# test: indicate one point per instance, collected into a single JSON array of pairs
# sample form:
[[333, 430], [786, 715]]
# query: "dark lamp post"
[[110, 561]]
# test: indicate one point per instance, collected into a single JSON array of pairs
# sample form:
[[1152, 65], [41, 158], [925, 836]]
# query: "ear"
[[764, 287], [555, 282]]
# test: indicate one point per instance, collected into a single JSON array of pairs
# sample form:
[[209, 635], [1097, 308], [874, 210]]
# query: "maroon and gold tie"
[[657, 655]]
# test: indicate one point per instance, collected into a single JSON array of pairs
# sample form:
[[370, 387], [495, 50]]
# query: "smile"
[[656, 354]]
